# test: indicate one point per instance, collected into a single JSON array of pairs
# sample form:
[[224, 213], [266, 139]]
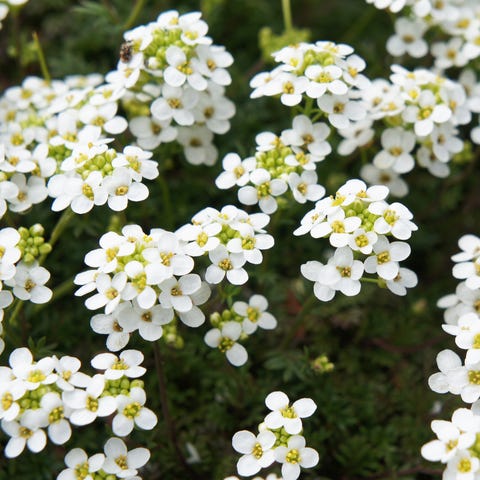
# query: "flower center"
[[257, 451], [226, 343], [383, 257], [7, 401], [132, 410], [293, 456], [225, 264], [474, 377], [36, 376], [56, 415], [92, 404]]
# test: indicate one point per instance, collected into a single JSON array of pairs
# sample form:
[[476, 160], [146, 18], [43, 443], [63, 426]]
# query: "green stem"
[[370, 280], [167, 202], [287, 15], [137, 8], [307, 306], [162, 390], [60, 291], [41, 58], [63, 221], [17, 308]]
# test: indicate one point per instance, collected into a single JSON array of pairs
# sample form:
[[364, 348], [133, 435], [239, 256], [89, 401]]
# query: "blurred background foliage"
[[374, 408]]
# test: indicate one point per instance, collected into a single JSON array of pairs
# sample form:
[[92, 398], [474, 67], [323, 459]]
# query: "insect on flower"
[[126, 52]]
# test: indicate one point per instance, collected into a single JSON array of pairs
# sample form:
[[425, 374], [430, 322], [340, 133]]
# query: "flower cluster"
[[456, 20], [326, 72], [237, 324], [57, 133], [174, 82], [358, 223], [19, 268], [279, 439], [231, 237], [52, 393], [117, 462], [421, 113], [142, 281], [281, 163], [457, 443]]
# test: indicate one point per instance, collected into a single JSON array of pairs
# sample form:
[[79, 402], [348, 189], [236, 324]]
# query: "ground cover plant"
[[230, 233]]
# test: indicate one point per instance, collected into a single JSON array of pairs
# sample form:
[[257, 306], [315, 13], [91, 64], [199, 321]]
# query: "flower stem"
[[137, 8], [17, 308], [307, 306], [63, 221], [167, 202], [370, 280], [287, 15], [41, 58], [162, 390]]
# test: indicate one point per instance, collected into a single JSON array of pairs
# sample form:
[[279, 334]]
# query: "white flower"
[[109, 325], [286, 416], [226, 341], [131, 411], [397, 144], [127, 364], [68, 375], [121, 462], [180, 71], [197, 142], [463, 466], [313, 271], [77, 460], [304, 187], [264, 191], [389, 178], [447, 362], [408, 39], [294, 456], [121, 188], [26, 432], [427, 114], [256, 450], [28, 283], [470, 271], [255, 314], [470, 244], [342, 110], [306, 134], [386, 258], [289, 86], [9, 238], [33, 374], [226, 264], [362, 241], [54, 411], [176, 293], [405, 279], [109, 292], [150, 133], [148, 322], [236, 171], [175, 103], [9, 394], [459, 434], [88, 404], [394, 219]]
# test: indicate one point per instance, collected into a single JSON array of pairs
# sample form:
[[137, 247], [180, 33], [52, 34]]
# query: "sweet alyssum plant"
[[89, 144]]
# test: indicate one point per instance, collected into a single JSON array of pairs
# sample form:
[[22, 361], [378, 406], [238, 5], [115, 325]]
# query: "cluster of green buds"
[[322, 364], [32, 243]]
